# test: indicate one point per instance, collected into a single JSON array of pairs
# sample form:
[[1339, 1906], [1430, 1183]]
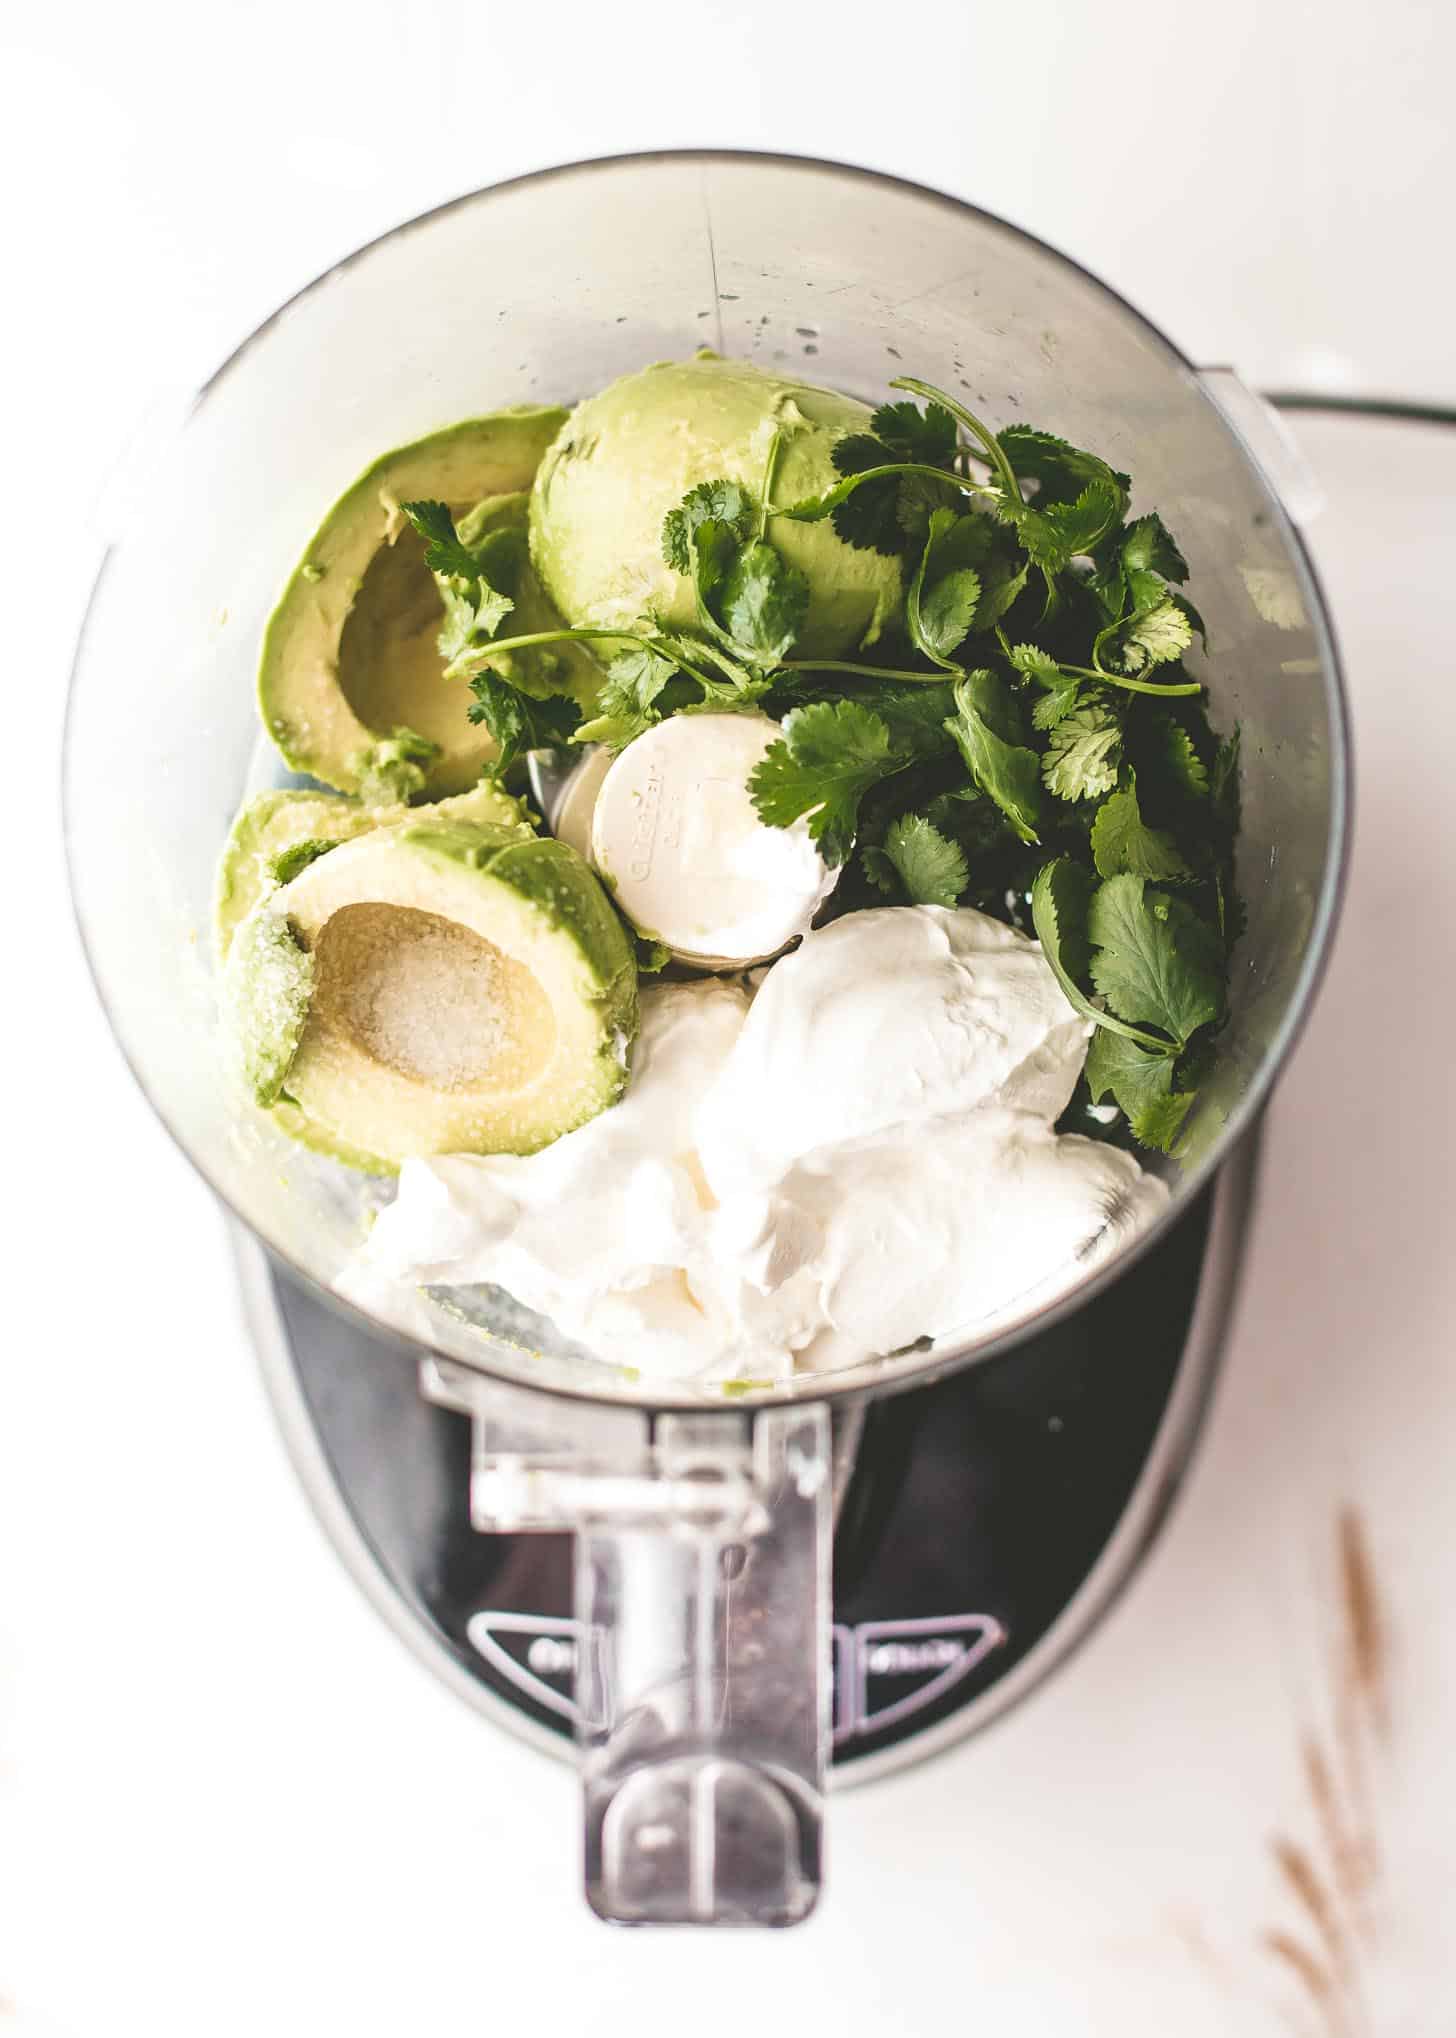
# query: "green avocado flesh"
[[467, 989], [267, 990], [350, 683], [627, 456], [274, 825]]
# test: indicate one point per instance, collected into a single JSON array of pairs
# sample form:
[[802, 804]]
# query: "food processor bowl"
[[703, 1528]]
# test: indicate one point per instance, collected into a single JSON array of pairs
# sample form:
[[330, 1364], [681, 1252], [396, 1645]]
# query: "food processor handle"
[[703, 1684], [702, 1622]]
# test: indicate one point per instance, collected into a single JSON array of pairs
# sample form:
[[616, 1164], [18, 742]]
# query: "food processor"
[[719, 1602]]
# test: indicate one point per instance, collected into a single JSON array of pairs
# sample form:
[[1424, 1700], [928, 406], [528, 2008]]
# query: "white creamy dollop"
[[882, 1024], [860, 1158]]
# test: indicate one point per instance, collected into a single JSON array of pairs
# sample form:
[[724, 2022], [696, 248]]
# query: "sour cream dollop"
[[860, 1157]]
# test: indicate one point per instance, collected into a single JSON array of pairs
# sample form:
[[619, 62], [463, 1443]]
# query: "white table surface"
[[229, 1801]]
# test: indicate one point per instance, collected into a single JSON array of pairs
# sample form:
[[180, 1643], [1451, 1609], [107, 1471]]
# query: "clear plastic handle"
[[703, 1611], [704, 1698]]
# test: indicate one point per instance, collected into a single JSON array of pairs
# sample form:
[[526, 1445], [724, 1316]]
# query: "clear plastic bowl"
[[546, 288]]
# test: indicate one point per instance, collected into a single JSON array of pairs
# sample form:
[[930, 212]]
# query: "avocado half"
[[452, 987], [276, 825], [628, 455], [350, 683]]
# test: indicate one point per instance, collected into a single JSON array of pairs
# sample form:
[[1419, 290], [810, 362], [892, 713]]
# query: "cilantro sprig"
[[1089, 764], [1149, 971], [1025, 738], [826, 760], [474, 606], [916, 862]]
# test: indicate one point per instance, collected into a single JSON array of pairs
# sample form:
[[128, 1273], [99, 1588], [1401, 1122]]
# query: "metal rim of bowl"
[[898, 1375]]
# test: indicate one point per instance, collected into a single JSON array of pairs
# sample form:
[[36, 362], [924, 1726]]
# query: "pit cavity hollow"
[[430, 998]]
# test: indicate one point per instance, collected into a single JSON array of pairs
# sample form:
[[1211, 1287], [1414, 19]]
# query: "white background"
[[229, 1803]]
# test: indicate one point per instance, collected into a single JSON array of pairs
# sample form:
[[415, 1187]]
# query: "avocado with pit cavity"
[[466, 990], [267, 842], [351, 682]]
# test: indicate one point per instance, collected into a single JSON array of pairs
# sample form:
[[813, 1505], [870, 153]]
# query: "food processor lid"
[[889, 269]]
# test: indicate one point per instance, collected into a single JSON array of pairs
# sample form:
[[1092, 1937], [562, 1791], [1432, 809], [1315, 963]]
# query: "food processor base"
[[989, 1521]]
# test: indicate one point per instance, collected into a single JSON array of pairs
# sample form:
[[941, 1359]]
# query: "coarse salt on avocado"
[[467, 991], [272, 824]]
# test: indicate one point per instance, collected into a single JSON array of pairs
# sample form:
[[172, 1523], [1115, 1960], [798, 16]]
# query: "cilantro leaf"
[[444, 552], [1107, 584], [518, 723], [1156, 961], [1056, 535], [764, 601], [945, 612], [858, 452], [1063, 689], [916, 717], [880, 503], [1152, 636], [721, 502], [1223, 783], [1062, 471], [1061, 903], [730, 683], [712, 551], [1195, 621], [931, 870], [1134, 566], [1149, 546], [474, 607], [750, 598], [941, 604], [916, 501], [637, 677], [1178, 753], [1035, 664], [1055, 706], [1000, 866], [474, 611], [1141, 1084], [1060, 899], [1123, 844], [826, 760], [869, 518], [1002, 580], [627, 696], [1082, 756], [927, 436], [1006, 771]]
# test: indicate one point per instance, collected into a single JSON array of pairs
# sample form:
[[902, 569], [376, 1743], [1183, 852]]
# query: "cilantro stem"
[[1190, 686], [485, 652], [1109, 1021], [1101, 678], [775, 446], [995, 451], [816, 507], [666, 650], [861, 671]]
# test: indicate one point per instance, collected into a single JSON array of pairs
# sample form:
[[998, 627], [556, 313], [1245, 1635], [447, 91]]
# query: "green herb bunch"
[[1030, 744]]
